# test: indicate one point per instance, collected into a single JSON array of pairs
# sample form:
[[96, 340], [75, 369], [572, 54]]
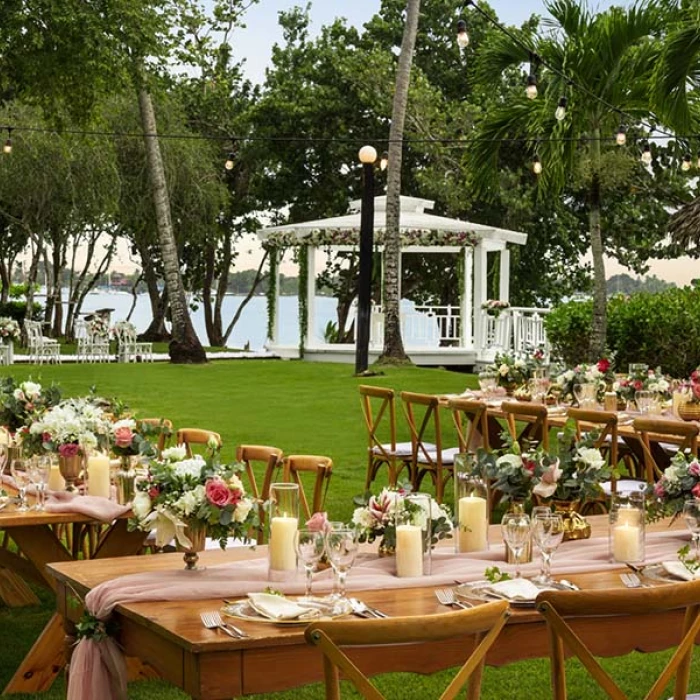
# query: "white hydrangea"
[[591, 457], [362, 518], [671, 474], [174, 454], [189, 467], [190, 501]]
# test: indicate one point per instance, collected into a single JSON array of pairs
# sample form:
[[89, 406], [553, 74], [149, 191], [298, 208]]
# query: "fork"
[[446, 596], [632, 581], [212, 620]]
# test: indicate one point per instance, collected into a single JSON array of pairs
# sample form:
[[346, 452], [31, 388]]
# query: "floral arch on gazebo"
[[463, 335]]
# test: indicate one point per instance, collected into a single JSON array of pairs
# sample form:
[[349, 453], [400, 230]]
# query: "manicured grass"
[[301, 408]]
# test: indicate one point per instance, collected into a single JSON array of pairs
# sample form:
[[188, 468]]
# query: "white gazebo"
[[433, 335]]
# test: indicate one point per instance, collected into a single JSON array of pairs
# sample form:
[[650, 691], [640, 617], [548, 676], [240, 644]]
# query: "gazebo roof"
[[414, 224]]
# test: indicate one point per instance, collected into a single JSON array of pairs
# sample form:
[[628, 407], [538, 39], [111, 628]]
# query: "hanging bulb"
[[7, 146], [230, 161], [384, 161], [621, 136], [560, 112], [536, 165], [686, 164], [646, 154], [462, 36], [531, 89], [697, 164]]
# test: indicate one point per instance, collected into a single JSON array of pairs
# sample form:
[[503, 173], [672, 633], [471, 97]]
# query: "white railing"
[[517, 330], [421, 325]]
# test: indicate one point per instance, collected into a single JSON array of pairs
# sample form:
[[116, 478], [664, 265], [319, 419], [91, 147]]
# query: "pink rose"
[[69, 450], [659, 490], [696, 490], [694, 468], [217, 493], [124, 436], [696, 391], [318, 522]]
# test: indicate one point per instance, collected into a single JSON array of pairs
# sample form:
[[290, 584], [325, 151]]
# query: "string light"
[[697, 164], [646, 154], [536, 165], [531, 89], [231, 159], [384, 161], [621, 135], [560, 111], [462, 36], [7, 147], [687, 163]]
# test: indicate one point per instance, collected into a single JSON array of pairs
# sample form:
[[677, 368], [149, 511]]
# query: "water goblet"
[[20, 473], [341, 549], [578, 393], [39, 470], [644, 400], [515, 528], [548, 533], [310, 546], [691, 515]]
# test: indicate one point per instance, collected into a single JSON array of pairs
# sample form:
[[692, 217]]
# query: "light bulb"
[[560, 112], [536, 165], [367, 155], [462, 36], [697, 165], [621, 136], [7, 146], [384, 161], [686, 164], [531, 89], [646, 154], [229, 162]]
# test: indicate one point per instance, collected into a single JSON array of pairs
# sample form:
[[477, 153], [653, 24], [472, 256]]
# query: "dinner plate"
[[656, 572], [243, 610], [477, 590]]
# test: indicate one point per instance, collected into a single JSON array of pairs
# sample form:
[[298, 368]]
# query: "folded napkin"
[[95, 507], [276, 607], [517, 589], [679, 570]]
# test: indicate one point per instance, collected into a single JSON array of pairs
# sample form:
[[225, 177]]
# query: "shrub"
[[662, 330], [17, 309]]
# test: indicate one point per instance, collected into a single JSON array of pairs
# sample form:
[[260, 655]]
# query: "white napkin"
[[516, 589], [276, 607], [679, 570]]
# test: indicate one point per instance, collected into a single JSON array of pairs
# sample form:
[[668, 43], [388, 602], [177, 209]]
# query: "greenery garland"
[[460, 281], [272, 291], [303, 261]]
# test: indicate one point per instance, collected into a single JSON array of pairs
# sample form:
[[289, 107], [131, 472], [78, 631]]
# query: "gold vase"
[[196, 532], [125, 480], [70, 468], [576, 527], [689, 411]]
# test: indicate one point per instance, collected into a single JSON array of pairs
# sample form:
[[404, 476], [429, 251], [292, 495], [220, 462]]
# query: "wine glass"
[[548, 533], [691, 515], [341, 549], [487, 383], [644, 400], [515, 528], [310, 545], [578, 394], [19, 470], [39, 470]]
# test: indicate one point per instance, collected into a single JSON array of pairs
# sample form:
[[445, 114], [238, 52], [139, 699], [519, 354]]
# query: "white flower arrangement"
[[9, 328]]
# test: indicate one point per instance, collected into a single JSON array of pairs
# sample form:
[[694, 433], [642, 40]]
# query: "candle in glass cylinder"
[[283, 555], [626, 543], [627, 515], [55, 481], [473, 529], [409, 550], [98, 475]]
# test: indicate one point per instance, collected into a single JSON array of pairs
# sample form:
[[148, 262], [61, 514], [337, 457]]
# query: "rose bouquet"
[[493, 307], [180, 492], [375, 516], [21, 404], [9, 328], [648, 380], [599, 374], [129, 437], [679, 482], [510, 371], [691, 388]]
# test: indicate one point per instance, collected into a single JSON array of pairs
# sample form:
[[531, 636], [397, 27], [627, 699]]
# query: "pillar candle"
[[409, 550], [283, 556], [55, 482], [98, 475], [473, 531], [626, 515], [626, 544]]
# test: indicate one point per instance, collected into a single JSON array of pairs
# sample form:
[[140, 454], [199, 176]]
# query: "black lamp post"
[[368, 156]]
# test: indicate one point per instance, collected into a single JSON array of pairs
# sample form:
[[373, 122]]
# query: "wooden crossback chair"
[[195, 436], [534, 415], [472, 424], [333, 636], [379, 411], [661, 439], [560, 608], [422, 413], [162, 427], [271, 457], [322, 467]]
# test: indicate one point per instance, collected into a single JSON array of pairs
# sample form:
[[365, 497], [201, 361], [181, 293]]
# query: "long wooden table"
[[37, 541], [169, 635]]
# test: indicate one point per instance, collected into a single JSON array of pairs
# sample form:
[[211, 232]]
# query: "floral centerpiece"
[[182, 497], [493, 307], [9, 328], [649, 380], [375, 517], [600, 374], [98, 326], [679, 482], [129, 437], [510, 372], [23, 403]]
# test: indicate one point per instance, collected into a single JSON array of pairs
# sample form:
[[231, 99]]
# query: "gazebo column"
[[466, 310], [310, 339], [276, 304], [480, 285], [504, 276]]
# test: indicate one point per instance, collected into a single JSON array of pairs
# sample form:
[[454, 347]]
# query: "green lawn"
[[301, 408]]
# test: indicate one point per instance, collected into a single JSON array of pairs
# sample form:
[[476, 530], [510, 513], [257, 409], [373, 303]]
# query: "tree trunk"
[[212, 323], [185, 346], [156, 331], [600, 318], [393, 343]]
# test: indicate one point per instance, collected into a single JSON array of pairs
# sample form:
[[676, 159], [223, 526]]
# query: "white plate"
[[477, 590], [656, 572], [243, 610]]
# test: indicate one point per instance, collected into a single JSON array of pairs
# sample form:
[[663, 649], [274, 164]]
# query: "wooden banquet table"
[[34, 534], [206, 664]]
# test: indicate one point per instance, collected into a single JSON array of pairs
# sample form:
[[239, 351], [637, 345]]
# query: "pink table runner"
[[98, 669]]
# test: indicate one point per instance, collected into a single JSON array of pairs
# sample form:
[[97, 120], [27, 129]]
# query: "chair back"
[[196, 436], [333, 637], [534, 416], [162, 427], [558, 607], [471, 421], [657, 435], [295, 465]]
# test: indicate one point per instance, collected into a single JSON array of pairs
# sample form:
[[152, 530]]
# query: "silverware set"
[[446, 596], [632, 580], [212, 620], [363, 610]]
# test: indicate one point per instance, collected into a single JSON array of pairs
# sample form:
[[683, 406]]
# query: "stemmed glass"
[[39, 470], [644, 400], [310, 546], [20, 473], [341, 549], [548, 533], [691, 515], [515, 528]]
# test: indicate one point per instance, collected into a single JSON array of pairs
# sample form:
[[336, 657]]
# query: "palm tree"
[[602, 64]]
